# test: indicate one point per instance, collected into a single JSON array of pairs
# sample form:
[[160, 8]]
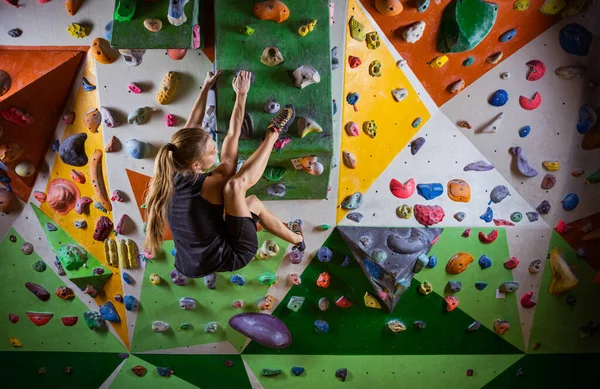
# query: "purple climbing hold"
[[498, 98], [119, 298], [296, 256], [587, 119], [324, 254], [479, 166], [532, 216], [544, 207], [15, 32], [416, 145], [178, 278], [355, 216], [38, 291], [498, 194], [488, 215], [264, 329], [522, 164], [341, 374], [430, 191]]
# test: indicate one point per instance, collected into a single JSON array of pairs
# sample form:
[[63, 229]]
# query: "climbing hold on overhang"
[[456, 86], [498, 98], [587, 119], [479, 166], [537, 70], [508, 35], [569, 72], [175, 13], [72, 150], [306, 126], [375, 69], [39, 318], [25, 169], [90, 291], [522, 164], [468, 61], [499, 193], [17, 116], [422, 5], [324, 280], [493, 126], [570, 202], [305, 76], [563, 278], [389, 7], [137, 149], [5, 82], [153, 25], [484, 262], [543, 208], [109, 312], [465, 24], [432, 262], [59, 269], [39, 266], [488, 215], [160, 326], [422, 261], [494, 58], [524, 131], [353, 201], [414, 32], [357, 30], [404, 211], [7, 200], [430, 191], [428, 215], [454, 286], [373, 41], [488, 238], [530, 103], [459, 191], [460, 216], [102, 52], [501, 326], [575, 39], [211, 327], [272, 10], [416, 145], [438, 62], [10, 152], [88, 86], [396, 325], [552, 7], [131, 302], [459, 263], [451, 302], [103, 228], [370, 301], [62, 196], [402, 191], [511, 263], [481, 285]]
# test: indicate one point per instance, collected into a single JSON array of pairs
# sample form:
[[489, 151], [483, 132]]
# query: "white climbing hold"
[[399, 94], [414, 32], [493, 126], [457, 86]]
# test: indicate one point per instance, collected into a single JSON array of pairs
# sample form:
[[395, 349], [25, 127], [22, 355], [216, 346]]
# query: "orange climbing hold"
[[451, 302], [102, 51], [273, 10], [501, 326], [459, 263], [323, 280], [459, 191], [72, 6], [389, 7]]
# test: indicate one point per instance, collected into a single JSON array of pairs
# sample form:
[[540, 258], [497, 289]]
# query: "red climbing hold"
[[502, 222], [538, 69], [429, 215], [526, 301], [343, 302], [39, 318], [323, 280], [402, 191], [69, 321], [13, 318], [466, 233], [512, 263], [562, 227], [530, 104], [487, 239], [451, 302]]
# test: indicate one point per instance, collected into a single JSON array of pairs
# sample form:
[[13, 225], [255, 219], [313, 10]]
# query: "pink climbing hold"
[[502, 222], [81, 205], [429, 215], [402, 191], [40, 196], [466, 233], [537, 70], [526, 301], [170, 120], [68, 118], [530, 103], [122, 224], [135, 88]]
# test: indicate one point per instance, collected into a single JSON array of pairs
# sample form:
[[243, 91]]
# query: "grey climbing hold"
[[522, 163], [160, 326], [479, 166], [211, 327], [187, 303], [532, 216], [454, 286], [211, 281], [499, 193], [509, 286], [15, 32], [355, 216], [72, 150], [474, 326], [419, 325], [414, 32], [27, 248], [505, 76], [59, 268], [354, 201], [544, 207], [460, 216], [416, 145], [80, 224], [50, 227], [323, 304], [272, 106], [277, 190], [335, 62]]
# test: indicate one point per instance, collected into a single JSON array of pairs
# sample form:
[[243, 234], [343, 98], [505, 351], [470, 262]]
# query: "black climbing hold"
[[72, 150], [15, 32], [416, 145], [341, 374]]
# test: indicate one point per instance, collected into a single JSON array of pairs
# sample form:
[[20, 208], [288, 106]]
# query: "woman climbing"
[[193, 202]]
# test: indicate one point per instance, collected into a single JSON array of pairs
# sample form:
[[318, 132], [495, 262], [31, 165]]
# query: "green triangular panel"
[[549, 371], [89, 370], [376, 371], [556, 323], [361, 330], [83, 276], [204, 371], [126, 379], [161, 302], [483, 305], [16, 269], [401, 248]]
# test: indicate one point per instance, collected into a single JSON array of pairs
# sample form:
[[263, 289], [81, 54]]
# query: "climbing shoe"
[[296, 226], [283, 120]]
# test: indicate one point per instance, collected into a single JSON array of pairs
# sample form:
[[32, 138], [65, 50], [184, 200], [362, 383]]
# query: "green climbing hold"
[[72, 256], [274, 173], [268, 279], [516, 217], [270, 372], [185, 327], [325, 227], [465, 23], [468, 61], [39, 266], [416, 123]]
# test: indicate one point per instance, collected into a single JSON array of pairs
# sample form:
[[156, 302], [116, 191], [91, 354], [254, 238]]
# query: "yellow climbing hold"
[[305, 29], [371, 301], [552, 7], [77, 30], [438, 62], [521, 5], [15, 342], [573, 8], [168, 88], [551, 165]]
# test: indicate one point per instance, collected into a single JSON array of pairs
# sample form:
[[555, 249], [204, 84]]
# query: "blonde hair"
[[187, 146]]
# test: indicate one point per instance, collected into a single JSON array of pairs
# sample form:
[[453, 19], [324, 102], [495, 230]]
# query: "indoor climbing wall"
[[444, 161]]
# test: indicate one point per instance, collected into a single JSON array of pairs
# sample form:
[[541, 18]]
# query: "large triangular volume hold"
[[388, 256]]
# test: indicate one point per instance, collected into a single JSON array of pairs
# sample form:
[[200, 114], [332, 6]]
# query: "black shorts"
[[241, 242]]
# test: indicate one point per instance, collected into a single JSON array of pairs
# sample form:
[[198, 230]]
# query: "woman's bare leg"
[[270, 222]]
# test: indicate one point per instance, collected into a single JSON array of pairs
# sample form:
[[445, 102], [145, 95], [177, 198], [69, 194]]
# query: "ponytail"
[[160, 192]]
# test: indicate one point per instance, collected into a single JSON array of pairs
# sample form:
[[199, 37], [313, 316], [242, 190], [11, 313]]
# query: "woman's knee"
[[254, 204], [235, 184]]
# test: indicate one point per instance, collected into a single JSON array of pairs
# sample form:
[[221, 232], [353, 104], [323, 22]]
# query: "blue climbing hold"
[[127, 278], [321, 326], [297, 371], [430, 191], [164, 371], [108, 30], [422, 5], [484, 262], [373, 270], [498, 98], [352, 98], [416, 123], [238, 280], [87, 85], [488, 215], [508, 35], [570, 202], [324, 254], [468, 61], [137, 149], [575, 39], [480, 285], [587, 119], [50, 227], [523, 132], [346, 261], [174, 251], [55, 145], [432, 262], [335, 108], [131, 302], [109, 312], [80, 224]]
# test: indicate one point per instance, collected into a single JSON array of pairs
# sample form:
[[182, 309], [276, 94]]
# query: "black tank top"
[[197, 226]]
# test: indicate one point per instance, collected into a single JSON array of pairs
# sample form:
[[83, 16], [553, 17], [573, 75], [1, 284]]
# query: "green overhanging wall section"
[[236, 51]]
